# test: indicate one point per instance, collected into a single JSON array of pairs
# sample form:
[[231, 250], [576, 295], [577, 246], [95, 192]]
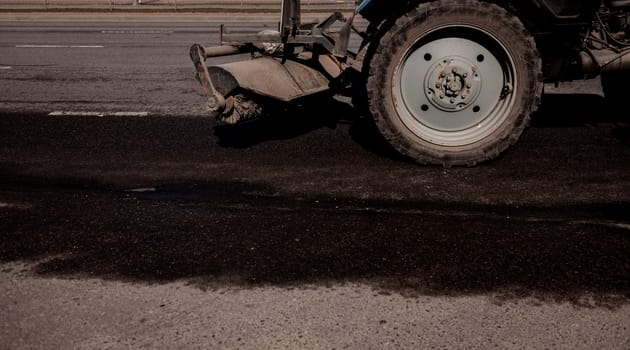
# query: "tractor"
[[446, 82]]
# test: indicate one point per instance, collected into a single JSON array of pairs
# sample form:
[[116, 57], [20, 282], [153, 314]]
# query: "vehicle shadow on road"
[[248, 234], [582, 110], [570, 110], [556, 111], [241, 235], [300, 119]]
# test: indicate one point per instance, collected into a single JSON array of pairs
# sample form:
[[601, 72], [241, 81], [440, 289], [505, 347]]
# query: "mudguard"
[[270, 77]]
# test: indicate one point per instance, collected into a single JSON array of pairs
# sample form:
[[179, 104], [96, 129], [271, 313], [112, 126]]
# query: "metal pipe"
[[625, 3], [289, 18], [605, 60], [215, 101], [223, 50]]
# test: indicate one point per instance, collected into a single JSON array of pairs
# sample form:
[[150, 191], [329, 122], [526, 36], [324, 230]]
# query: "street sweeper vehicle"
[[448, 82]]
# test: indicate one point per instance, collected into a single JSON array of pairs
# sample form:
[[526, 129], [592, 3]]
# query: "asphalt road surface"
[[130, 220]]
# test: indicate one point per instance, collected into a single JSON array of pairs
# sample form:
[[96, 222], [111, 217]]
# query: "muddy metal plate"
[[270, 77]]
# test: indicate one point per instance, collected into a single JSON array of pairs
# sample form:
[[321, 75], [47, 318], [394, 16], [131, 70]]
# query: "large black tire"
[[453, 82]]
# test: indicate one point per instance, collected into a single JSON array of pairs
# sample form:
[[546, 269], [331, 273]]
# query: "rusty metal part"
[[290, 18], [327, 23], [331, 65], [240, 108], [264, 76], [291, 31], [594, 61], [624, 3], [269, 77], [215, 101], [342, 42], [266, 37], [224, 50]]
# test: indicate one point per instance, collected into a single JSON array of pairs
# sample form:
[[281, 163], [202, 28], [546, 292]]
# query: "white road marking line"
[[620, 225], [5, 67], [60, 46], [142, 190], [13, 205], [607, 223], [137, 31], [96, 114]]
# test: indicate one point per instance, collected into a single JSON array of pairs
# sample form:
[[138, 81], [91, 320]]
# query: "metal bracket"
[[289, 18], [325, 24], [276, 38], [341, 45], [215, 101]]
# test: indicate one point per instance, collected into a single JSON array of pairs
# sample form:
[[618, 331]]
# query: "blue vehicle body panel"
[[363, 5], [558, 8]]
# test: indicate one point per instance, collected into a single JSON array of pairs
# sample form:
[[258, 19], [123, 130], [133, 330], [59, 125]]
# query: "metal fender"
[[269, 77]]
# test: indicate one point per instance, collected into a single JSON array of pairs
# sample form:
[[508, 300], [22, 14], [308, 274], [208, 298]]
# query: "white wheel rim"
[[454, 91]]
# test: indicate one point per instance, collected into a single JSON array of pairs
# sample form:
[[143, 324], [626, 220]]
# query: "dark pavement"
[[299, 204]]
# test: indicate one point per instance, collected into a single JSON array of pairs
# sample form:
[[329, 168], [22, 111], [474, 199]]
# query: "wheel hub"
[[452, 84], [454, 107]]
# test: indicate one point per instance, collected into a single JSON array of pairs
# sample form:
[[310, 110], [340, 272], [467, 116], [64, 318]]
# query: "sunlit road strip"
[[5, 67], [96, 114], [60, 46], [5, 205]]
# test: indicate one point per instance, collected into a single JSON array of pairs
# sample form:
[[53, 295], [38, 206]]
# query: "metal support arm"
[[290, 18], [215, 100]]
